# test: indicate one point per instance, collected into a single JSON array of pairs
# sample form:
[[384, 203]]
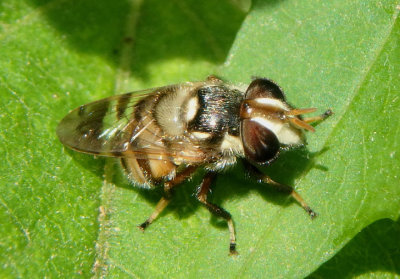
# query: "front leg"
[[318, 118], [217, 210], [261, 177]]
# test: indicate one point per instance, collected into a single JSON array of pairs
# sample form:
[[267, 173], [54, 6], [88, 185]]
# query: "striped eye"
[[264, 88], [260, 144]]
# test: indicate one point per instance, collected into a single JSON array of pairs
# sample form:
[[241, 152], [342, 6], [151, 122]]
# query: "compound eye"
[[264, 88], [260, 144]]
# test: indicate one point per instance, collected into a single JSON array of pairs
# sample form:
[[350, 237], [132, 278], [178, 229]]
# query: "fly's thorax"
[[204, 108], [205, 116]]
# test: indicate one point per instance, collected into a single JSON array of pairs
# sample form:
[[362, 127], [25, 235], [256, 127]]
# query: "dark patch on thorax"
[[218, 111]]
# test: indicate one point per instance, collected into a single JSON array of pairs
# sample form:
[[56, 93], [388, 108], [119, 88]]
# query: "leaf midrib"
[[108, 188]]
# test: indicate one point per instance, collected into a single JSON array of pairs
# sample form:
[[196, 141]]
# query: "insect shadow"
[[234, 183]]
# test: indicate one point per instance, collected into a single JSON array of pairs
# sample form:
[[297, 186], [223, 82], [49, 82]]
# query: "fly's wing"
[[112, 127]]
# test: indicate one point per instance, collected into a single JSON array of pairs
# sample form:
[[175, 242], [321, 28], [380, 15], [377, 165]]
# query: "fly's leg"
[[161, 205], [289, 190], [318, 118], [164, 201], [261, 177], [217, 210]]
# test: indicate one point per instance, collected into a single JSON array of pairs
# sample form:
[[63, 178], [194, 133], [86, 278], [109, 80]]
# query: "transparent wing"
[[123, 126]]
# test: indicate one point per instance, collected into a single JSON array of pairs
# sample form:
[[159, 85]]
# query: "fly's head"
[[268, 123]]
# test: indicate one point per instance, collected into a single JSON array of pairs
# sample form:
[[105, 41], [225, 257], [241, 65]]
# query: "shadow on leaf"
[[191, 30], [375, 249]]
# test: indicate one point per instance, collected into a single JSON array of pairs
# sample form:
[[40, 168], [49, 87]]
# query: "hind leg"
[[217, 210]]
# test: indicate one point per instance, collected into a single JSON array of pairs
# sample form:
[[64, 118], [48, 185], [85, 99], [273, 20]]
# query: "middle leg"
[[164, 201]]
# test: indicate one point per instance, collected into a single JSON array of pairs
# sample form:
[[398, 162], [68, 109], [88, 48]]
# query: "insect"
[[162, 135]]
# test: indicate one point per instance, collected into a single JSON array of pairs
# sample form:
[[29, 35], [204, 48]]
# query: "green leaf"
[[61, 218]]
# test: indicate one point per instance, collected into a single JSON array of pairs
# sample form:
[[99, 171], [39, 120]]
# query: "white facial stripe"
[[285, 133], [192, 107], [272, 102]]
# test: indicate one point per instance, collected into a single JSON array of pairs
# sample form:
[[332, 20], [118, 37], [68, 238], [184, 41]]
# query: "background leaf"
[[61, 218]]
